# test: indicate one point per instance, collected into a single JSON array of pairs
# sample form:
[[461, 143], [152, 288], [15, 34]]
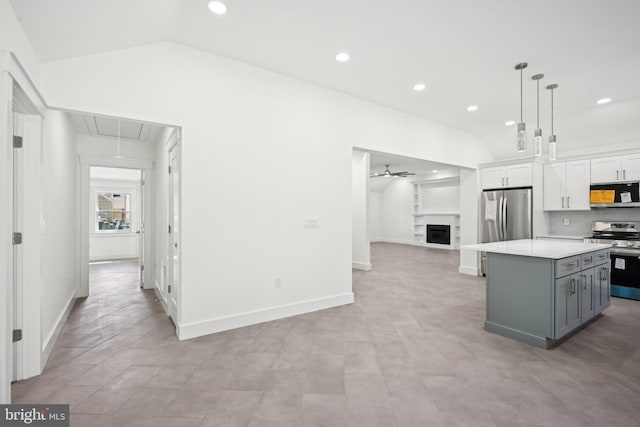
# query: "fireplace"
[[439, 234]]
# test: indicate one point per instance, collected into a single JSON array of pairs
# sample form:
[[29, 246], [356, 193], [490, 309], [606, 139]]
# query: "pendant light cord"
[[521, 95], [538, 104], [552, 112]]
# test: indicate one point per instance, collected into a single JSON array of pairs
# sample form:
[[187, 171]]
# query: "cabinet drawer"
[[588, 260], [566, 266], [602, 256]]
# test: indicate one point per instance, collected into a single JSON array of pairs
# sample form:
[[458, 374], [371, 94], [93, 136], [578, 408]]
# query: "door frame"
[[84, 183], [173, 308], [18, 90]]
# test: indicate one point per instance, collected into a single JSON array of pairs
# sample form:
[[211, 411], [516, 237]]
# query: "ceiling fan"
[[388, 174]]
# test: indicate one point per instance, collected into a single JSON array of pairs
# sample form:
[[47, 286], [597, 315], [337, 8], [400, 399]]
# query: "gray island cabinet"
[[538, 291]]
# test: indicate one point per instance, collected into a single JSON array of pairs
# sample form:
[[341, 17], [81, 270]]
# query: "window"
[[113, 212]]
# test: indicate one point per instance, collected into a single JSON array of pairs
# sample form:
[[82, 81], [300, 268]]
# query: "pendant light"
[[522, 133], [552, 137], [118, 156], [537, 139]]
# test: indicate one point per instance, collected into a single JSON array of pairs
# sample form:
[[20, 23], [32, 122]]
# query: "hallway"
[[411, 351]]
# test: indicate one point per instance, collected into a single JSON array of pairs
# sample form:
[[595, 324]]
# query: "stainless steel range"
[[624, 236]]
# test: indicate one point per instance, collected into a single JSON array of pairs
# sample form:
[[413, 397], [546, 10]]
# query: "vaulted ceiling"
[[463, 50]]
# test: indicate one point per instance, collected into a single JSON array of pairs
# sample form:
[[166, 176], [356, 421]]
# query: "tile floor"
[[411, 351]]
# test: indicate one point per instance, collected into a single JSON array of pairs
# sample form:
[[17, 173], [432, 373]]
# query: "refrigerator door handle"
[[504, 218], [500, 220]]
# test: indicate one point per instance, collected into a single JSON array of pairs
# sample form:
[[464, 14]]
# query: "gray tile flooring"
[[411, 351]]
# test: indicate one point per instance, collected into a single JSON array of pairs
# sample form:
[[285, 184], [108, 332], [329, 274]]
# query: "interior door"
[[141, 229], [174, 233]]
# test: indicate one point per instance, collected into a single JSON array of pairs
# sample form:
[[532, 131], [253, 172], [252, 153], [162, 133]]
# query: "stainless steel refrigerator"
[[506, 215]]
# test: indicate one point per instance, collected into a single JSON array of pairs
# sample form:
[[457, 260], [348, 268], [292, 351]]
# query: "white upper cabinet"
[[615, 169], [630, 167], [510, 176], [566, 186]]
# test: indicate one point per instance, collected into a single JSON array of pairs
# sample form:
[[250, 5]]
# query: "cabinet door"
[[520, 175], [578, 178], [630, 165], [567, 316], [492, 178], [605, 169], [601, 289], [554, 185], [587, 294]]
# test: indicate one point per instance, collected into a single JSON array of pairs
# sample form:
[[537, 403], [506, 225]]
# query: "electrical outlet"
[[278, 282], [566, 221], [311, 223]]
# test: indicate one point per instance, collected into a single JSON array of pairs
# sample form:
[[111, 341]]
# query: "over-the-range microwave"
[[615, 195]]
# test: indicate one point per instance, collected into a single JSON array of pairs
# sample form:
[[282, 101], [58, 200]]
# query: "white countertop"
[[554, 249]]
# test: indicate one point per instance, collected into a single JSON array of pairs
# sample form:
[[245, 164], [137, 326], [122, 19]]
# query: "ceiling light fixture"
[[435, 171], [472, 108], [420, 87], [510, 123], [552, 137], [522, 128], [118, 156], [537, 139], [217, 7], [342, 57], [603, 101]]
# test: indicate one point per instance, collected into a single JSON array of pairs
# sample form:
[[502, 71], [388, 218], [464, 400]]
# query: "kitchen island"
[[538, 291]]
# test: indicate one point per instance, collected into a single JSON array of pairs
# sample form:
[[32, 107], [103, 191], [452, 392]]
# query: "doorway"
[[116, 226]]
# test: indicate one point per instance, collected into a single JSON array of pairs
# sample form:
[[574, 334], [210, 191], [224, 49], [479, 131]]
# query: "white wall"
[[12, 39], [469, 218], [237, 118], [360, 193], [396, 207], [110, 245], [374, 219], [60, 216]]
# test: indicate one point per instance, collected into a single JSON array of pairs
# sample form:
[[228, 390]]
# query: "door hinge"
[[169, 169], [17, 141], [142, 182], [169, 289], [17, 335], [169, 229], [142, 268], [17, 238]]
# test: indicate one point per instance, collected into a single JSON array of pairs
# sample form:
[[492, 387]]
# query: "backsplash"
[[580, 221]]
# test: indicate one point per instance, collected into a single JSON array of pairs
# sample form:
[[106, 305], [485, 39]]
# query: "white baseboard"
[[366, 266], [110, 257], [471, 271], [197, 329], [161, 296], [50, 341], [398, 241]]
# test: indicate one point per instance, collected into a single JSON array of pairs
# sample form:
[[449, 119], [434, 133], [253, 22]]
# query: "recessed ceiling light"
[[435, 170], [217, 7], [509, 123], [472, 108], [419, 87], [342, 57], [604, 101]]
